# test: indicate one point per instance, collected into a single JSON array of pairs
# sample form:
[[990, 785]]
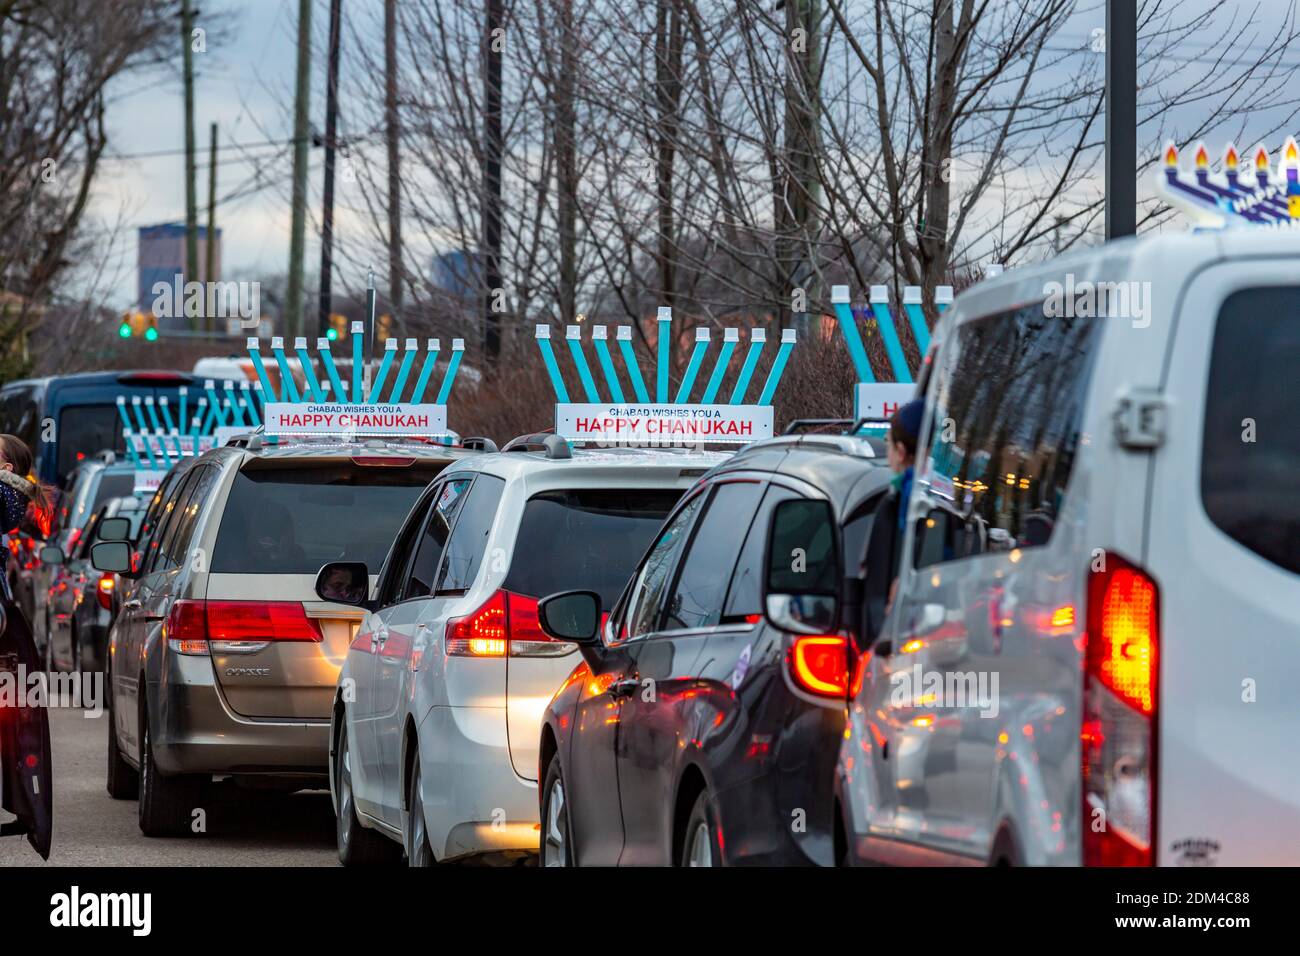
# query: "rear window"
[[1251, 452], [85, 430], [590, 540], [294, 520], [113, 485]]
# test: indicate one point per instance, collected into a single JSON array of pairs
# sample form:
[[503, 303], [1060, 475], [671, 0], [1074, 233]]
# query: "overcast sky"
[[245, 83]]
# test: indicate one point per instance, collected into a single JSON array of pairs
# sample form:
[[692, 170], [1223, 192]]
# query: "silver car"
[[222, 660], [438, 713]]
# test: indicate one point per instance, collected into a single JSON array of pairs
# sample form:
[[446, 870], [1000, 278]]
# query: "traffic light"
[[338, 326], [139, 325]]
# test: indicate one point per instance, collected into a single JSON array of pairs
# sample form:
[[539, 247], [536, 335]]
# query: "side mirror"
[[113, 556], [52, 554], [114, 529], [803, 568], [571, 616], [344, 582]]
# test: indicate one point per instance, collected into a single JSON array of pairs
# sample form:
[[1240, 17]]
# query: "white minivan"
[[1092, 652]]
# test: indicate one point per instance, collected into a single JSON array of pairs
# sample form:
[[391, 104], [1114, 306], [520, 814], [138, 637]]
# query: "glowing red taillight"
[[192, 624], [506, 624], [820, 664], [260, 621], [104, 590], [1117, 735]]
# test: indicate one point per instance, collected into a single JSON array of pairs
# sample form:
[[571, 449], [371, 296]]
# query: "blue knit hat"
[[909, 417]]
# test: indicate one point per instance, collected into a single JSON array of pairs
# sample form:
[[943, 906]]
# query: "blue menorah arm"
[[308, 373], [432, 348], [889, 334], [757, 342], [449, 377], [631, 364], [840, 302], [693, 365], [778, 367], [408, 358], [729, 339], [543, 336], [573, 335], [599, 335], [255, 353], [663, 350], [377, 387]]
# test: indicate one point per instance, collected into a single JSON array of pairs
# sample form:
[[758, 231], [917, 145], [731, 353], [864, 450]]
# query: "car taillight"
[[186, 628], [506, 624], [104, 590], [1120, 685], [73, 537], [820, 664], [258, 621]]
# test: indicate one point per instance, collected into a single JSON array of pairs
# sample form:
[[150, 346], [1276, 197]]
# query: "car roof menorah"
[[366, 410], [675, 415], [155, 440], [1233, 198], [873, 398]]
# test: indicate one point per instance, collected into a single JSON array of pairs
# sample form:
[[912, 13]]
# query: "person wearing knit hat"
[[904, 430]]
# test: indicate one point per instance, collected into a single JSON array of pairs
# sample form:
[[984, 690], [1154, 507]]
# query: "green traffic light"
[[151, 335], [124, 330], [332, 334]]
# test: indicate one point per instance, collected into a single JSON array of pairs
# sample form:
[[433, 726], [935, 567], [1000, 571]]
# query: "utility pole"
[[191, 199], [1121, 118], [209, 267], [327, 213], [302, 92], [492, 45], [393, 130]]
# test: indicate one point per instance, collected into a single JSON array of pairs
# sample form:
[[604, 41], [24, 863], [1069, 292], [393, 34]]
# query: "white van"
[[1093, 650]]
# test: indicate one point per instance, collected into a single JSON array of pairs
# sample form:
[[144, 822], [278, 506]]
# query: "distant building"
[[458, 273], [161, 255]]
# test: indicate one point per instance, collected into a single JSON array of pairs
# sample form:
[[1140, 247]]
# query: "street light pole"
[[327, 213], [1121, 118]]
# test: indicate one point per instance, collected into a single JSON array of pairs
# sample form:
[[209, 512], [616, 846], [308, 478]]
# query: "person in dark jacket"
[[16, 488], [891, 517]]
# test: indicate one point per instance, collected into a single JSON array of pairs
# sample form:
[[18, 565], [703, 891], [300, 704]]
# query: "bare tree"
[[56, 59]]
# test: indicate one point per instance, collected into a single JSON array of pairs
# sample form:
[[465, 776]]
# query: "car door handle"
[[624, 688], [131, 605]]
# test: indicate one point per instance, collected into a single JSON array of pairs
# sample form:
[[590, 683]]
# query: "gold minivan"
[[223, 659]]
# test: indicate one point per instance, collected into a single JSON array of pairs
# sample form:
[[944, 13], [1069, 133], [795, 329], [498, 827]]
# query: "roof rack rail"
[[554, 446], [808, 424], [480, 443], [857, 425]]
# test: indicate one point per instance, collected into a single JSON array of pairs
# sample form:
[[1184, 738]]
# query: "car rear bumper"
[[474, 802], [194, 731]]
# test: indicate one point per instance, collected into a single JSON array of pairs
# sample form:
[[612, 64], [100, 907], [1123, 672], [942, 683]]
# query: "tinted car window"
[[701, 586], [293, 520], [173, 515], [85, 430], [1251, 450], [469, 538], [178, 547], [645, 605], [745, 596], [1006, 422], [445, 508], [394, 570], [585, 539]]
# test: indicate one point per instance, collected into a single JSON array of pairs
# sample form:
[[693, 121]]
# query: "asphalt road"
[[243, 828]]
